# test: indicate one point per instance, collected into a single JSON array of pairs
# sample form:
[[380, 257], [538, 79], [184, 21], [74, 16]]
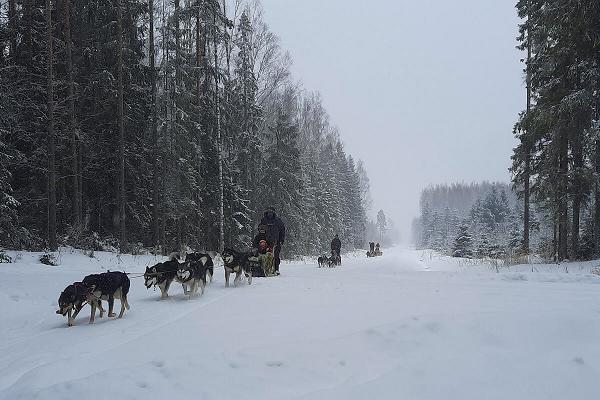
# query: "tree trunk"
[[577, 153], [219, 141], [27, 37], [155, 161], [121, 196], [563, 167], [527, 167], [52, 244], [597, 199], [76, 209], [12, 29], [177, 115], [200, 95]]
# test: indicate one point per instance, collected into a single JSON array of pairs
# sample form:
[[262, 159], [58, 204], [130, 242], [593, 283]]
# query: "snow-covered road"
[[402, 326]]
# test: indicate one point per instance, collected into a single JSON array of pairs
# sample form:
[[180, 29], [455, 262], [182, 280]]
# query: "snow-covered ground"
[[407, 325]]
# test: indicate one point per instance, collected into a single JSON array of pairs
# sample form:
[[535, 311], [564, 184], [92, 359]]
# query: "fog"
[[424, 92]]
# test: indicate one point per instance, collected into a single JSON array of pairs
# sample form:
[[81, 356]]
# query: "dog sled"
[[374, 250], [262, 264]]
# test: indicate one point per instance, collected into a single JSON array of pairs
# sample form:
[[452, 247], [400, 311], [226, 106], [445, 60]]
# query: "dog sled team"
[[193, 273], [374, 250], [335, 259]]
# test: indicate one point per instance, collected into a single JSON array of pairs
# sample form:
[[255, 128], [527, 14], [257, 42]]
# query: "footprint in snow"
[[433, 327], [275, 364], [158, 363], [579, 361]]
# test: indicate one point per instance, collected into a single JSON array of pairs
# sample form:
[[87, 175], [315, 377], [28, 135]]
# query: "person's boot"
[[276, 271]]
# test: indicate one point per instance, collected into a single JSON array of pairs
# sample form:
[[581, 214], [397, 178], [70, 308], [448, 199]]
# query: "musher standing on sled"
[[275, 232]]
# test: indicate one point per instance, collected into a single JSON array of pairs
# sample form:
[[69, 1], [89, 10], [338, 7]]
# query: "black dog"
[[161, 275], [72, 300], [206, 260], [235, 261], [109, 286]]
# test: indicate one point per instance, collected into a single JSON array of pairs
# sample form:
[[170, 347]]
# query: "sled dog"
[[323, 261], [161, 275], [192, 276], [206, 260], [72, 300], [109, 286], [235, 261]]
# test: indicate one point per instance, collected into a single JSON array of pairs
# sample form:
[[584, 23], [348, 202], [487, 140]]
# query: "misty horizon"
[[429, 98]]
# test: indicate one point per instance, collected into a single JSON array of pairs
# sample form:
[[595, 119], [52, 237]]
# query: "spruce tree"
[[463, 242]]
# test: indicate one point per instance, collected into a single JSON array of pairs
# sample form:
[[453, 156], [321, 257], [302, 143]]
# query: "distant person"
[[275, 234], [336, 249]]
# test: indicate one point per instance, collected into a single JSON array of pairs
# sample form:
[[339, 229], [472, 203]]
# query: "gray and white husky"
[[192, 276]]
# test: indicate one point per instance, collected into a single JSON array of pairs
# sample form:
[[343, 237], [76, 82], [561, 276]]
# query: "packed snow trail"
[[401, 326]]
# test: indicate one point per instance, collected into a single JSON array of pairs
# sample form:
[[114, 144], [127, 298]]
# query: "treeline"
[[161, 124], [469, 220], [556, 165]]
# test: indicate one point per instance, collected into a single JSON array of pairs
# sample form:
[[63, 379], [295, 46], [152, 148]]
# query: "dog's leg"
[[74, 315], [111, 303], [238, 278], [70, 319], [193, 289], [93, 312], [101, 309], [166, 285], [123, 305], [226, 278], [250, 277], [162, 291]]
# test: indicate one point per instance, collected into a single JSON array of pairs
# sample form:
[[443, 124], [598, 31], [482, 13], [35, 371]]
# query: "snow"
[[408, 325]]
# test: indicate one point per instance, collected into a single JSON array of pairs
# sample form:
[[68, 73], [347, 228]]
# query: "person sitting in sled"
[[263, 250], [260, 242]]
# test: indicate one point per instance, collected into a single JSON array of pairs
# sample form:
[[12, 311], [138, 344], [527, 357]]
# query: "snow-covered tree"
[[463, 242]]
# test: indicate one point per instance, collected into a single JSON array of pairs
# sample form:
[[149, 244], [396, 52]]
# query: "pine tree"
[[52, 240], [463, 242], [281, 184], [381, 223]]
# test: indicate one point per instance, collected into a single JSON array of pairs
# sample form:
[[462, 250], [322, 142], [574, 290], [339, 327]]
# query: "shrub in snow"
[[49, 259], [4, 258]]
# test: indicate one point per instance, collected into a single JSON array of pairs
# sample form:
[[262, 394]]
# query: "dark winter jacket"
[[336, 244], [275, 228]]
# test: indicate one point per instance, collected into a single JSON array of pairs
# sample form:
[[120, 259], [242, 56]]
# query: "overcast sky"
[[423, 91]]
